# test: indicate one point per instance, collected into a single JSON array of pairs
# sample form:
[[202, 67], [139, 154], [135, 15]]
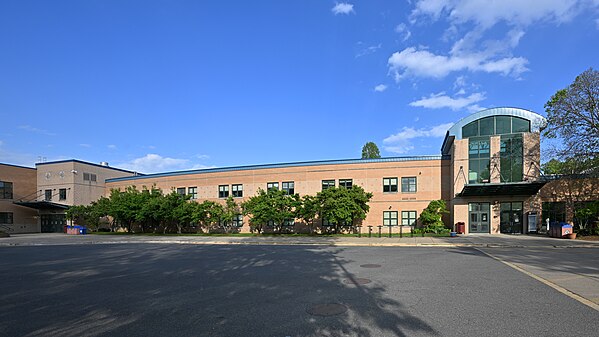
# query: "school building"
[[488, 172]]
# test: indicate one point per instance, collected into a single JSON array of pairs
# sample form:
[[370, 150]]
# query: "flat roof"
[[283, 165], [87, 163], [19, 166]]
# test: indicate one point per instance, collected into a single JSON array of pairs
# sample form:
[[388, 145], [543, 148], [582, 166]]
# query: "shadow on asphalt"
[[192, 290]]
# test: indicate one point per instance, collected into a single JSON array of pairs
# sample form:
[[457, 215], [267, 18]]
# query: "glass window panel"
[[487, 126], [470, 130], [520, 125], [503, 125]]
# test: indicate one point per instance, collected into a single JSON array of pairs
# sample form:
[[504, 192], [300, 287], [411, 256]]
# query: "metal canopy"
[[42, 205], [520, 188]]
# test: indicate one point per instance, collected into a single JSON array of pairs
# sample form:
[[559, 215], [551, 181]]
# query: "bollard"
[[369, 231], [389, 231], [380, 227]]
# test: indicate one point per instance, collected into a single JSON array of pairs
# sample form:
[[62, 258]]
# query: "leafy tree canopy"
[[370, 151]]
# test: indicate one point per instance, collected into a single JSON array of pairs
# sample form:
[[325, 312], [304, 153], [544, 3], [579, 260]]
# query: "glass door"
[[478, 216], [511, 218]]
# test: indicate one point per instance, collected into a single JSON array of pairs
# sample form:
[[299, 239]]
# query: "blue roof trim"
[[19, 166], [282, 165], [87, 163]]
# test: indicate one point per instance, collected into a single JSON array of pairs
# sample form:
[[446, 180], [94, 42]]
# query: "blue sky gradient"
[[155, 86]]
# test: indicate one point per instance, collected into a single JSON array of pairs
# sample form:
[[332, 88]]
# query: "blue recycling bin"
[[82, 230]]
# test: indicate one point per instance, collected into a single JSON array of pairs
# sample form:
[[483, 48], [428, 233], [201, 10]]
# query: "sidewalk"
[[479, 240]]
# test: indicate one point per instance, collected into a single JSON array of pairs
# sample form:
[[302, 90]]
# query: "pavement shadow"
[[195, 290]]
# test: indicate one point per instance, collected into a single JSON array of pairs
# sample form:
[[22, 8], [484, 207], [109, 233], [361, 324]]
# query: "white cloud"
[[441, 100], [486, 13], [153, 163], [111, 146], [401, 142], [36, 130], [85, 145], [404, 31], [422, 63], [380, 88], [368, 50], [343, 8]]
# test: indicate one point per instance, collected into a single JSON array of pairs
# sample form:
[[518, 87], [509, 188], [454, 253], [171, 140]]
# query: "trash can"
[[565, 230], [83, 230], [559, 229], [460, 227]]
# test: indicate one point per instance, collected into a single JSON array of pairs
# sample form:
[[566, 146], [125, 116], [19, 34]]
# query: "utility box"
[[532, 222]]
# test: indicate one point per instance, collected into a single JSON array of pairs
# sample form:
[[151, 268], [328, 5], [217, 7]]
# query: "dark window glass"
[[289, 187], [520, 125], [408, 184], [193, 192], [237, 191], [327, 184], [5, 190], [347, 183], [6, 218], [503, 125], [238, 220], [408, 218], [92, 177], [487, 126], [289, 222], [470, 130], [85, 176], [48, 195], [479, 170], [271, 186], [62, 194], [223, 191], [511, 156], [181, 190], [390, 218], [389, 184]]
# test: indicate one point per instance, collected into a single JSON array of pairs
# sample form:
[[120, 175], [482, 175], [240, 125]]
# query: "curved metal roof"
[[536, 121]]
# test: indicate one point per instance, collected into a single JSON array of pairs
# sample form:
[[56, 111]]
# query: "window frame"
[[60, 194], [237, 190], [408, 185], [180, 191], [6, 190], [326, 184], [345, 183], [273, 185], [7, 218], [223, 191], [388, 218], [408, 218], [289, 190], [193, 193], [390, 185], [48, 195]]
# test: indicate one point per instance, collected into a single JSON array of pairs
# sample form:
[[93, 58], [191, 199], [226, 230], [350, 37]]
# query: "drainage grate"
[[370, 265], [327, 309], [357, 280]]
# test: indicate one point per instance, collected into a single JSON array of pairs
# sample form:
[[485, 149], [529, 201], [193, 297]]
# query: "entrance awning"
[[503, 189], [42, 205]]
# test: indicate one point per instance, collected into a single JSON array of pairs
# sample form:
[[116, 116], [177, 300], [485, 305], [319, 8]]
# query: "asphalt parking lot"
[[259, 290]]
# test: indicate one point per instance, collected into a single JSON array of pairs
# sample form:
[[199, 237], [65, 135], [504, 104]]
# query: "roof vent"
[[104, 163]]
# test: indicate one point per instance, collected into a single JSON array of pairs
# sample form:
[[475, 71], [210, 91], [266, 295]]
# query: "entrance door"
[[511, 218], [52, 223], [478, 215]]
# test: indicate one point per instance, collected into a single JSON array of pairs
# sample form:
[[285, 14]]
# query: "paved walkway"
[[478, 240]]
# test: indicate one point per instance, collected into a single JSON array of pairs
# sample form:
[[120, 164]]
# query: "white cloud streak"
[[343, 8], [401, 142], [153, 163], [441, 100], [403, 30], [380, 88], [36, 130]]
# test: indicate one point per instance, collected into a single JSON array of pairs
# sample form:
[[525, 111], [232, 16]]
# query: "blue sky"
[[168, 85]]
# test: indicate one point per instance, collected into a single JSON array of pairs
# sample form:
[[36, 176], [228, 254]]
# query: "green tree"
[[573, 117], [125, 205], [207, 214], [272, 206], [307, 210], [370, 151], [431, 217], [230, 212], [342, 207]]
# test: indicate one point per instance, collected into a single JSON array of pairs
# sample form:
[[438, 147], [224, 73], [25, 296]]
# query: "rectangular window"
[[85, 176], [92, 177], [479, 162], [5, 190], [511, 157], [390, 184], [48, 195], [408, 218], [62, 194], [237, 191], [347, 183], [327, 184], [6, 218], [272, 186], [289, 222], [89, 177], [238, 220], [193, 192], [223, 191], [181, 190], [289, 187], [390, 218], [408, 184]]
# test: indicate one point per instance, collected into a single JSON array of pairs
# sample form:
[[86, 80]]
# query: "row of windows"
[[287, 186], [236, 189], [62, 194], [408, 184], [408, 218], [89, 176], [510, 153], [495, 125], [5, 190], [347, 183]]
